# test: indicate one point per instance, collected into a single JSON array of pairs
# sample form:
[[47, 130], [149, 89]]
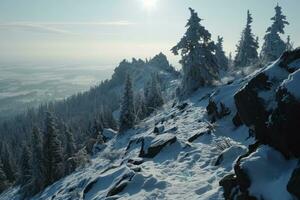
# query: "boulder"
[[136, 161], [197, 135], [212, 110], [294, 183], [159, 129], [182, 106], [228, 183], [236, 185], [216, 111], [236, 120], [172, 130], [229, 155], [269, 104], [120, 185], [150, 148]]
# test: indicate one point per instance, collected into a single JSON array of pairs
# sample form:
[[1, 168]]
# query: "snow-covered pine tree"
[[94, 135], [107, 119], [97, 128], [147, 90], [230, 61], [127, 118], [81, 157], [37, 161], [289, 45], [8, 162], [197, 56], [26, 177], [222, 60], [3, 179], [70, 150], [154, 98], [273, 45], [140, 108], [25, 165], [53, 152], [246, 53]]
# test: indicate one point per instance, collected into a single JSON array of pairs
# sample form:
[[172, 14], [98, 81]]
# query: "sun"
[[149, 4]]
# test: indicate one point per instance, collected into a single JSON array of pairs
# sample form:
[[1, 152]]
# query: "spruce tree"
[[3, 179], [127, 118], [25, 165], [37, 162], [220, 55], [246, 53], [140, 106], [289, 44], [197, 56], [154, 98], [54, 166], [273, 45], [9, 165], [230, 61], [26, 176], [70, 151]]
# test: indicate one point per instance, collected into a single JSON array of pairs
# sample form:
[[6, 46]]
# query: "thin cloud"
[[32, 27], [109, 23], [51, 27]]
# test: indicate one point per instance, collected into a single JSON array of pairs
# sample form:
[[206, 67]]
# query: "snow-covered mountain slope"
[[188, 149], [181, 160]]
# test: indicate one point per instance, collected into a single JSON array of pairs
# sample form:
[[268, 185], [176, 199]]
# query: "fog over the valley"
[[23, 85]]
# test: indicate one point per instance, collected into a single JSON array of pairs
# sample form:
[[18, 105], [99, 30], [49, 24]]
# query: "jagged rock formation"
[[270, 105]]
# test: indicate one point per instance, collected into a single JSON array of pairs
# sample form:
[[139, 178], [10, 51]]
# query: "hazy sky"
[[106, 31]]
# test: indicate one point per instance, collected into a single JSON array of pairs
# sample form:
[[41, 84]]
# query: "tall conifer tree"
[[246, 53], [127, 116], [273, 45], [197, 56]]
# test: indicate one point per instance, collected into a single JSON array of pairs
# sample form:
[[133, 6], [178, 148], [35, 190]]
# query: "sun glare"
[[149, 4]]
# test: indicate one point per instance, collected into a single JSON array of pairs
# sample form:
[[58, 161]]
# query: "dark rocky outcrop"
[[159, 129], [269, 109], [216, 112], [120, 185], [294, 183], [182, 106], [228, 183], [236, 185], [236, 120], [197, 135], [136, 161], [151, 148]]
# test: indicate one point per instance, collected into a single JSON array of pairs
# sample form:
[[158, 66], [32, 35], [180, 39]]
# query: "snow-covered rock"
[[269, 104], [269, 173], [108, 134], [187, 159]]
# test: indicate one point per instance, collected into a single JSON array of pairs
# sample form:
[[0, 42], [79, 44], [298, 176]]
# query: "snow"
[[275, 72], [183, 169], [295, 64], [109, 133], [269, 173], [292, 84], [229, 155]]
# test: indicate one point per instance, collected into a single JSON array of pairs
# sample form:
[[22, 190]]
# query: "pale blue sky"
[[106, 31]]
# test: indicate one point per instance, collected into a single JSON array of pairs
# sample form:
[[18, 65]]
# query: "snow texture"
[[269, 173], [292, 84]]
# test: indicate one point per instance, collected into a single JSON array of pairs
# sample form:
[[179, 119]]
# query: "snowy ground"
[[182, 170]]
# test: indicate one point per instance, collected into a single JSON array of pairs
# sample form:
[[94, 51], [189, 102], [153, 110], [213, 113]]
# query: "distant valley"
[[24, 86]]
